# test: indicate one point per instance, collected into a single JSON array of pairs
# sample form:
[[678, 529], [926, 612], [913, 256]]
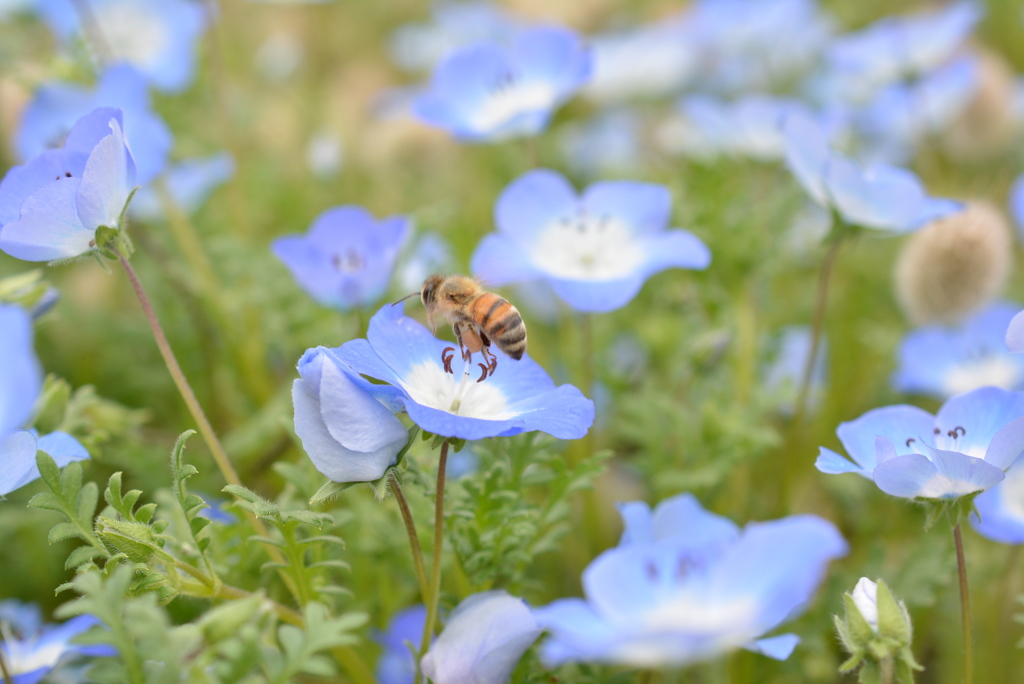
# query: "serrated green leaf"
[[46, 501], [49, 472], [82, 554], [62, 531], [88, 497], [145, 513]]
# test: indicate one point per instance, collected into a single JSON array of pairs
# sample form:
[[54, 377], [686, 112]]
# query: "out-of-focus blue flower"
[[31, 650], [896, 48], [482, 640], [607, 143], [12, 7], [51, 207], [21, 379], [190, 183], [429, 254], [346, 259], [649, 61], [1000, 510], [453, 25], [685, 585], [518, 397], [910, 453], [55, 107], [1015, 334], [325, 154], [488, 92], [158, 37], [396, 664], [944, 361], [348, 434], [596, 250], [23, 618], [877, 196], [784, 374]]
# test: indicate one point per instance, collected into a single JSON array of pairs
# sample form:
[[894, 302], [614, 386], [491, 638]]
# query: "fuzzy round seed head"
[[955, 265], [988, 124]]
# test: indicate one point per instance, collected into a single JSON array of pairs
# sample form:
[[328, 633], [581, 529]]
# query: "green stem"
[[965, 606], [887, 671], [414, 538], [434, 597], [817, 325]]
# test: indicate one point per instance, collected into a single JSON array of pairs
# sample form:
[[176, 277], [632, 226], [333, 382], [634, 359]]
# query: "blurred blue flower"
[[325, 154], [158, 37], [783, 375], [1000, 510], [429, 254], [685, 585], [482, 640], [190, 183], [943, 361], [610, 142], [596, 250], [649, 61], [21, 380], [910, 453], [453, 25], [1015, 334], [1017, 204], [518, 397], [55, 107], [346, 259], [396, 664], [12, 7], [348, 434], [31, 650], [489, 92], [877, 196], [51, 207]]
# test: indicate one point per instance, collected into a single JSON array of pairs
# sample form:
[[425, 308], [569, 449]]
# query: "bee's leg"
[[492, 363], [447, 354], [484, 370], [466, 354]]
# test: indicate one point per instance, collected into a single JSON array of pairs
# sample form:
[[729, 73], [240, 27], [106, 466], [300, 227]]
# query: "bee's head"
[[429, 291]]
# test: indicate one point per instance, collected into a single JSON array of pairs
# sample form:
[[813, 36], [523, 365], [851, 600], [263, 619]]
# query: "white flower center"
[[587, 247], [508, 98], [135, 34], [997, 371], [429, 385]]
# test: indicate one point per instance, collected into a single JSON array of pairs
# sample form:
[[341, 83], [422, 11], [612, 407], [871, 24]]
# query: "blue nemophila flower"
[[943, 361], [158, 37], [55, 107], [783, 375], [51, 207], [346, 259], [610, 142], [1015, 334], [348, 434], [596, 249], [877, 196], [190, 183], [910, 453], [685, 585], [396, 664], [647, 61], [31, 650], [1000, 510], [518, 397], [482, 640], [489, 92], [21, 380], [453, 25]]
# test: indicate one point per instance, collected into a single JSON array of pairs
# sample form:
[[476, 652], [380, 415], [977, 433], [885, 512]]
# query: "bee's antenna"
[[411, 294]]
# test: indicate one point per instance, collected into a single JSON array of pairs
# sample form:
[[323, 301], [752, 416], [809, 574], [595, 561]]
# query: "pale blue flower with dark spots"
[[51, 207], [942, 361], [596, 249], [910, 453], [518, 397], [346, 259], [685, 585], [489, 92]]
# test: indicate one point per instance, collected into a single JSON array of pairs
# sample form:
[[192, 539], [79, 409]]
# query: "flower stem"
[[887, 671], [414, 538], [965, 606], [180, 381], [434, 597], [817, 324]]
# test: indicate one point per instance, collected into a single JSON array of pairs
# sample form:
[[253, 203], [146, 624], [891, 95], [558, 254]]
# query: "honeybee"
[[477, 317]]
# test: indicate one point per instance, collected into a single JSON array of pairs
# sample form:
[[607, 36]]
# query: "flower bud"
[[955, 265], [877, 633]]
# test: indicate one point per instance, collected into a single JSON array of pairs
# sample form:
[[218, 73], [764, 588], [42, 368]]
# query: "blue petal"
[[598, 296], [49, 228], [500, 259], [577, 632], [833, 464], [401, 342], [982, 413], [674, 249], [1015, 334], [644, 207], [882, 197], [777, 647], [107, 181], [683, 516], [807, 154], [1000, 516], [947, 475], [62, 448], [359, 357], [17, 461], [637, 523], [897, 423], [22, 181], [555, 56], [532, 202], [21, 377]]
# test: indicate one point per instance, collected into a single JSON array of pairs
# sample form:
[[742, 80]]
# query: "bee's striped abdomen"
[[501, 322]]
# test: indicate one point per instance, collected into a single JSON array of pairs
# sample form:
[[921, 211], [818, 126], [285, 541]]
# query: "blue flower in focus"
[[346, 259], [482, 640], [453, 25], [943, 361], [488, 92], [55, 107], [596, 250], [190, 183], [783, 376], [31, 650], [348, 434], [157, 37], [643, 62], [518, 397], [1000, 510], [877, 196], [910, 453], [685, 585], [21, 380], [51, 207], [396, 664]]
